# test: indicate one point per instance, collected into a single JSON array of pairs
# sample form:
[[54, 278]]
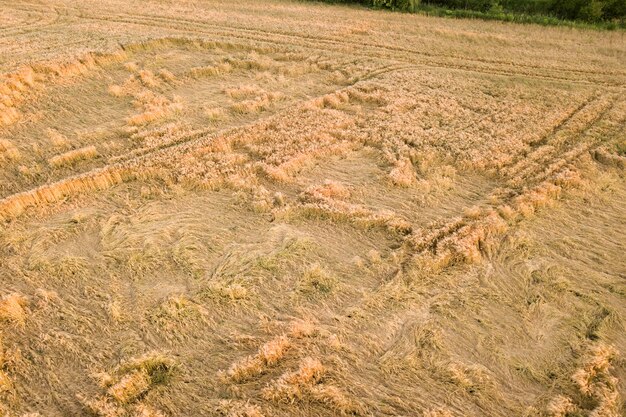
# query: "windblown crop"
[[268, 208]]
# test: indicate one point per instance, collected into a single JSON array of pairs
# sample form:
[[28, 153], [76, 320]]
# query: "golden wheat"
[[401, 216], [268, 355], [13, 308], [289, 387], [72, 157]]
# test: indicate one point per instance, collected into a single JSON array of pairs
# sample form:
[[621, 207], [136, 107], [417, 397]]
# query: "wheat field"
[[280, 208]]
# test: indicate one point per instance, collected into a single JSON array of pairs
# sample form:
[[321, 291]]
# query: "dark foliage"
[[591, 11]]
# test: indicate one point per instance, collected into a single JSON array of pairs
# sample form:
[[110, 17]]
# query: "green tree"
[[591, 12], [407, 5]]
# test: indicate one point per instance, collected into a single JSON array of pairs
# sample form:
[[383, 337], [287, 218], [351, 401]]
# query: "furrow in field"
[[375, 51]]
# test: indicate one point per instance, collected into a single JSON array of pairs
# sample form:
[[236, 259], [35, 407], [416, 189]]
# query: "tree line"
[[582, 10]]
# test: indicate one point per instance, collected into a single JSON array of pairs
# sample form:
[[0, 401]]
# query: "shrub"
[[407, 5], [611, 12], [478, 5]]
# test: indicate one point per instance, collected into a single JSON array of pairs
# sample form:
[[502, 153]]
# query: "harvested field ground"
[[273, 208]]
